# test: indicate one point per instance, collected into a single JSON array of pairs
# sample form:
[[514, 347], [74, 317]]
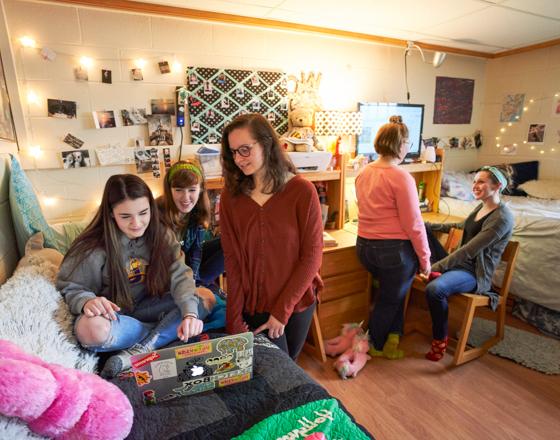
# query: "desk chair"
[[472, 301]]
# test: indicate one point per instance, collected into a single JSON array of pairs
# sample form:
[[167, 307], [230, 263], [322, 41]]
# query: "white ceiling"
[[479, 25]]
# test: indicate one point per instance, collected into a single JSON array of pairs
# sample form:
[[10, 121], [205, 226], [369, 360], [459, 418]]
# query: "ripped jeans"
[[153, 322]]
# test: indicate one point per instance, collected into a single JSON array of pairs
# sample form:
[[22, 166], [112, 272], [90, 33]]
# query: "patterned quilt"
[[281, 401]]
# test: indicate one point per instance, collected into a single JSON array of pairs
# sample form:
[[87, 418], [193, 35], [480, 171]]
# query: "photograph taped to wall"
[[164, 67], [73, 141], [159, 129], [233, 93], [512, 108], [163, 106], [143, 160], [136, 116], [137, 74], [75, 159], [104, 119], [114, 154], [536, 133], [59, 108], [509, 150], [106, 76]]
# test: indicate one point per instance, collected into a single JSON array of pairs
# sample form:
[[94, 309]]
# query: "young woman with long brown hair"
[[185, 209], [126, 280], [272, 236]]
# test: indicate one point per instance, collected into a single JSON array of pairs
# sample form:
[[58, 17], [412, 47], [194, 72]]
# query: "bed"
[[281, 399], [537, 229]]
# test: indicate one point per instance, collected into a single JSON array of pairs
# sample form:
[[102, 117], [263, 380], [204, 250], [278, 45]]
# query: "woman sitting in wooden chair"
[[470, 268]]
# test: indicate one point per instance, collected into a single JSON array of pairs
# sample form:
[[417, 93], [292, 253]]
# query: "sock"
[[439, 346], [390, 350], [121, 361]]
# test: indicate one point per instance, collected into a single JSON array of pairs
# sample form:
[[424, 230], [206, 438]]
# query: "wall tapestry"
[[454, 100], [216, 96]]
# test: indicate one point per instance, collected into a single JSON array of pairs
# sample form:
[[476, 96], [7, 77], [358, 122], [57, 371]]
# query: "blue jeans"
[[439, 290], [393, 263], [153, 322], [212, 263]]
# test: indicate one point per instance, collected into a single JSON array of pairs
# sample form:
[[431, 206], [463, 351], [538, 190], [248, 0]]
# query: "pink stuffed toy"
[[335, 346], [60, 402], [353, 360]]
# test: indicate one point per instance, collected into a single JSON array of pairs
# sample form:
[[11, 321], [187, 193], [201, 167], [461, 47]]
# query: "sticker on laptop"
[[188, 387], [234, 379], [232, 344], [164, 369], [220, 359], [193, 350], [145, 360], [142, 378], [149, 397]]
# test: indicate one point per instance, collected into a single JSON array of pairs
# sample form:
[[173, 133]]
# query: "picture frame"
[[7, 129]]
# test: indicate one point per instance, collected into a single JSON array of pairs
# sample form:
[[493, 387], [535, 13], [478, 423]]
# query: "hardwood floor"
[[413, 398]]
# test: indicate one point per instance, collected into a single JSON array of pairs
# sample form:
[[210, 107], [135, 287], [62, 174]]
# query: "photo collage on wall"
[[216, 96]]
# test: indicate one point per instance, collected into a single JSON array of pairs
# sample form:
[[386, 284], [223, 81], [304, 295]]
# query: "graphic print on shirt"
[[136, 270]]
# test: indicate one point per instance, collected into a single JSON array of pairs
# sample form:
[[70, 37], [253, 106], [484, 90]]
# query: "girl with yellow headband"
[[185, 208], [486, 232]]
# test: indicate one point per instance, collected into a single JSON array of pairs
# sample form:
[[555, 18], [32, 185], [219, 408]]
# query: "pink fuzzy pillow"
[[60, 402]]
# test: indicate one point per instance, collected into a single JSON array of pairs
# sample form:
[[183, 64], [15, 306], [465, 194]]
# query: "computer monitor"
[[375, 114]]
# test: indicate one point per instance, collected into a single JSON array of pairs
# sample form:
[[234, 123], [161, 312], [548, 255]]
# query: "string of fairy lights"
[[35, 151], [512, 147]]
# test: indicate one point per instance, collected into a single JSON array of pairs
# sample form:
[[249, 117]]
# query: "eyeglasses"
[[243, 150]]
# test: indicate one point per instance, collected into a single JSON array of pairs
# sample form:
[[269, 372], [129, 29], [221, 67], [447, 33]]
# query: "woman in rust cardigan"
[[272, 236]]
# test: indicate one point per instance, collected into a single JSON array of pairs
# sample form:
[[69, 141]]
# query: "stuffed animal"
[[304, 102], [60, 402], [353, 360], [301, 136], [338, 345]]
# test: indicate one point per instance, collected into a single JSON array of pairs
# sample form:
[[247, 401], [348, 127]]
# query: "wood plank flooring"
[[413, 398]]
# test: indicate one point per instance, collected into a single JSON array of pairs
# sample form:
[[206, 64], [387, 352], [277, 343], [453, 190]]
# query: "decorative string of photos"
[[513, 108], [159, 124], [160, 131]]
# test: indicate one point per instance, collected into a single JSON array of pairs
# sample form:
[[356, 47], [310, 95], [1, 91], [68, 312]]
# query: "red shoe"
[[439, 346]]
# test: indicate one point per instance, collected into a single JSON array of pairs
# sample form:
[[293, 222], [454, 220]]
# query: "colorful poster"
[[453, 100], [512, 108]]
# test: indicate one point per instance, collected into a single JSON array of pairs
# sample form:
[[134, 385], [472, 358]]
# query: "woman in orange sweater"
[[392, 242], [272, 236]]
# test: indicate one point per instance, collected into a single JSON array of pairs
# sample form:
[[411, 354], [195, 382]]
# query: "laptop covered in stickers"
[[184, 370]]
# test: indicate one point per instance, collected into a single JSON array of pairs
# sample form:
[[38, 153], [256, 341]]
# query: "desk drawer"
[[340, 286], [343, 261], [352, 308]]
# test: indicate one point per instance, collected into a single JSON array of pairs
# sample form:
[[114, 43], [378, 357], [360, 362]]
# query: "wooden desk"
[[346, 295]]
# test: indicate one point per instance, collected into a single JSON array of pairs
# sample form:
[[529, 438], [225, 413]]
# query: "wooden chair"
[[472, 301], [452, 242]]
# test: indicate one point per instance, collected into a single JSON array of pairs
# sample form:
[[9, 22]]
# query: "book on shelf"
[[328, 240]]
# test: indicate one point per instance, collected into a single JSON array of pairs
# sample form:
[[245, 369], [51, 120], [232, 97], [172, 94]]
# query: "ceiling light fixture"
[[438, 59]]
